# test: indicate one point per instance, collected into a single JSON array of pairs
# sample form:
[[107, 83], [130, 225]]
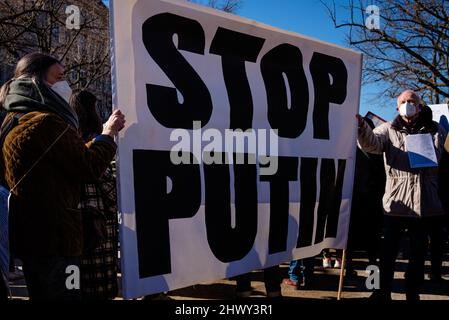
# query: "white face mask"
[[63, 89], [407, 109]]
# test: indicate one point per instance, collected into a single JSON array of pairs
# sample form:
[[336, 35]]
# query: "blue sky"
[[309, 17]]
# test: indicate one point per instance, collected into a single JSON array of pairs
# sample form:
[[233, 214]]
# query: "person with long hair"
[[98, 265], [44, 163]]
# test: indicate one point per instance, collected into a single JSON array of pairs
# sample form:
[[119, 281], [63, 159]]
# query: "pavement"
[[323, 287]]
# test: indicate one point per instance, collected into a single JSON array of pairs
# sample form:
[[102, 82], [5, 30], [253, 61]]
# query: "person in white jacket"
[[411, 196]]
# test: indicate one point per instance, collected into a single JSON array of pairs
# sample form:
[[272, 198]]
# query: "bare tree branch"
[[409, 50], [225, 5], [40, 25]]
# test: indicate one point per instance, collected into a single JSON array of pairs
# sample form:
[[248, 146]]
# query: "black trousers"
[[46, 278], [272, 279], [3, 289], [435, 230], [394, 228]]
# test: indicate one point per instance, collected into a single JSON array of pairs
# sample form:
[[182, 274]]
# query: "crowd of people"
[[58, 186]]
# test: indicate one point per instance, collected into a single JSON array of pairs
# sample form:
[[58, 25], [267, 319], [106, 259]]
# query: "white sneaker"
[[337, 264], [327, 263]]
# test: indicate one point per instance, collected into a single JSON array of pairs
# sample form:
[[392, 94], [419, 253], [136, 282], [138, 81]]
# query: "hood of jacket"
[[30, 94], [423, 124]]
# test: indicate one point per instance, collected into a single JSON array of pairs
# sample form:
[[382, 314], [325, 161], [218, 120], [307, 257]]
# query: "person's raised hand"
[[115, 124], [360, 120]]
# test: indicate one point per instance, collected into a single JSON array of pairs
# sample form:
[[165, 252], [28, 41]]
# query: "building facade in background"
[[50, 26]]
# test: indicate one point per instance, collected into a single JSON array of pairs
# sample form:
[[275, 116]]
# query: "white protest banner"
[[441, 114], [187, 78]]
